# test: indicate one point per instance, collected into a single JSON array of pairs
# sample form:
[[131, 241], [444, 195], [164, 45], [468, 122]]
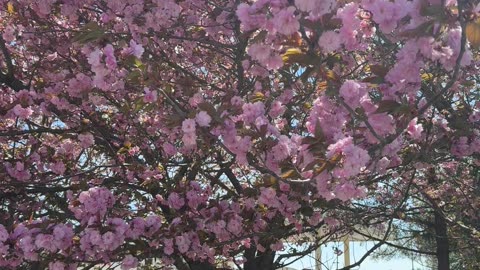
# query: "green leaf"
[[250, 192], [319, 135], [90, 32], [378, 70], [374, 80], [388, 106], [425, 29], [139, 104], [208, 107], [134, 76], [433, 11], [306, 211]]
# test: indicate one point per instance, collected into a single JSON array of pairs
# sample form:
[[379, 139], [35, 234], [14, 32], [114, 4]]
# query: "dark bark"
[[8, 78], [442, 242], [441, 229], [258, 260], [201, 266]]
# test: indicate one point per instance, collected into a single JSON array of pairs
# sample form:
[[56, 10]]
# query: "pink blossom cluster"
[[189, 133], [354, 158], [92, 205]]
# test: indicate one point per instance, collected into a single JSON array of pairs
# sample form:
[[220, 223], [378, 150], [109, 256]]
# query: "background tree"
[[432, 207]]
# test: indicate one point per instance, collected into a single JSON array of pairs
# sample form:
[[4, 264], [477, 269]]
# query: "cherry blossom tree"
[[207, 133]]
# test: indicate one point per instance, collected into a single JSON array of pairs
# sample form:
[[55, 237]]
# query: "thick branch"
[[9, 79]]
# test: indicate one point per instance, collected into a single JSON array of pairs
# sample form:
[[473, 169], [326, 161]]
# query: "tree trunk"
[[202, 266], [442, 242], [259, 261], [441, 237]]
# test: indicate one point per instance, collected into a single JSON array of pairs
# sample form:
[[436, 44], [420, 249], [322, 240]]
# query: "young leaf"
[[258, 96], [294, 55], [473, 33], [10, 8]]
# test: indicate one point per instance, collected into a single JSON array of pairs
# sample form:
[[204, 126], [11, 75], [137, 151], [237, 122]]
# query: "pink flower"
[[442, 54], [306, 5], [63, 236], [382, 123], [136, 49], [385, 13], [203, 119], [283, 148], [236, 101], [94, 204], [278, 246], [259, 52], [189, 140], [345, 191], [152, 224], [315, 7], [454, 42], [277, 109], [329, 41], [46, 242], [188, 126], [22, 113], [382, 165], [110, 59], [94, 58], [475, 116], [108, 240], [194, 199], [414, 129], [268, 196], [9, 34], [274, 62], [137, 227], [285, 21], [461, 147], [352, 92], [284, 187], [3, 234], [175, 201], [355, 158], [150, 96], [105, 18], [43, 8], [52, 56], [169, 149], [252, 110], [129, 262], [58, 167], [183, 243], [250, 20], [56, 266], [86, 140], [234, 225], [168, 246], [18, 172], [265, 56]]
